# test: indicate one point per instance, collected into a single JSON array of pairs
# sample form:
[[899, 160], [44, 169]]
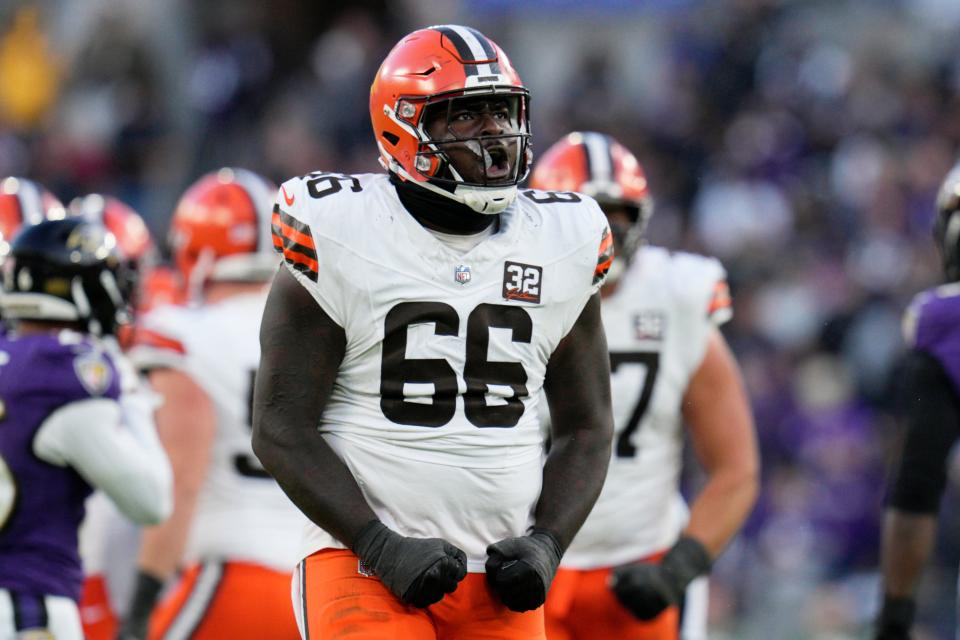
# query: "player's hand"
[[647, 589], [419, 571], [520, 570], [895, 619]]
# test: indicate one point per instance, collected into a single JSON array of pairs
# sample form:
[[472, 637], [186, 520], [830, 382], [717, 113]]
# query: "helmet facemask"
[[628, 222], [474, 146]]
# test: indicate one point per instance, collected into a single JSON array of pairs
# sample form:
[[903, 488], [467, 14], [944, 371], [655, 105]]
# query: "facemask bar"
[[429, 149]]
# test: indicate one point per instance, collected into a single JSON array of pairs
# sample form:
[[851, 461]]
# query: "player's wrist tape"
[[369, 541], [897, 613], [686, 560], [552, 539], [146, 590]]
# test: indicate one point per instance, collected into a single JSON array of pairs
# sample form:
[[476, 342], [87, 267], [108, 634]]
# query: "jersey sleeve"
[[74, 368], [703, 301], [311, 257], [127, 463], [605, 255]]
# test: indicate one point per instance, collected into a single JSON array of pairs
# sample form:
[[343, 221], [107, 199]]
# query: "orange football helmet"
[[24, 202], [220, 230], [436, 66], [597, 165]]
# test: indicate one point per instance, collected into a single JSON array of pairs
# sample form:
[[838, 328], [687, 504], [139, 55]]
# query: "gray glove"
[[520, 570], [419, 571]]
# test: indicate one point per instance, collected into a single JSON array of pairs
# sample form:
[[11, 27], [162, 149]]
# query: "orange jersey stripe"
[[289, 232], [148, 338], [293, 256], [603, 267], [721, 298]]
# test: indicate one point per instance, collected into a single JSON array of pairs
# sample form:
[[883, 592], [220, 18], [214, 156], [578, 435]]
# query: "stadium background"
[[801, 142]]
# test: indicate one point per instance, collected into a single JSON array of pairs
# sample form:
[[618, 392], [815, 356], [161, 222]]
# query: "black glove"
[[419, 571], [895, 619], [145, 594], [520, 570], [647, 589]]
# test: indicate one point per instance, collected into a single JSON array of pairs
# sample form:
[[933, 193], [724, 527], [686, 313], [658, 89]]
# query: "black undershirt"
[[930, 407], [439, 213]]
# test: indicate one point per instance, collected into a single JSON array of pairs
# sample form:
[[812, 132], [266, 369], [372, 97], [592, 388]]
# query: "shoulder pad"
[[702, 281]]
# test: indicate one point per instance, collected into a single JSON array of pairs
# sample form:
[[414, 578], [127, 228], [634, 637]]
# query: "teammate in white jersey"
[[670, 365], [418, 318], [232, 526]]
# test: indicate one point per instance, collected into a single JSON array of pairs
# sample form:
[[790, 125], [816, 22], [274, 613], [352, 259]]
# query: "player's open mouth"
[[496, 163]]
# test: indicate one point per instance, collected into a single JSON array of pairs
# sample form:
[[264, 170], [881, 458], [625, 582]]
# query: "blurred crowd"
[[801, 143]]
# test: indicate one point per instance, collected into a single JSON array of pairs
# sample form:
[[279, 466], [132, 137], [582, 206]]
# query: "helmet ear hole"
[[392, 138]]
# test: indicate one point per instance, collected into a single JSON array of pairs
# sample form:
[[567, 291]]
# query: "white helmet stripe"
[[599, 159], [476, 48], [262, 196]]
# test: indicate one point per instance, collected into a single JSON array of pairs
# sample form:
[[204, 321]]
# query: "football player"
[[232, 525], [109, 541], [638, 556], [930, 406], [64, 432], [405, 346]]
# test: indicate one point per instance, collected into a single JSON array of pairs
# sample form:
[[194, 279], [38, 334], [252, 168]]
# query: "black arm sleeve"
[[930, 409]]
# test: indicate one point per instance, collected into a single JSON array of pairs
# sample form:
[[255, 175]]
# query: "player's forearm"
[[908, 542], [163, 546], [572, 479], [312, 475], [721, 508], [577, 385]]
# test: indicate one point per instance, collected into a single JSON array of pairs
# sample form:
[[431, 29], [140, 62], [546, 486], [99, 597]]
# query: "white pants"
[[58, 616], [693, 623]]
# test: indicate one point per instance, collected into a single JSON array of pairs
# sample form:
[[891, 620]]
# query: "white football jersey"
[[241, 513], [435, 407], [657, 323]]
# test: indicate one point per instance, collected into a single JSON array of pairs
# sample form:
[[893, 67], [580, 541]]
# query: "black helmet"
[[69, 271], [946, 228]]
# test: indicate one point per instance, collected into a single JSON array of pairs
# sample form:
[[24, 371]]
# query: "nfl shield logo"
[[462, 274]]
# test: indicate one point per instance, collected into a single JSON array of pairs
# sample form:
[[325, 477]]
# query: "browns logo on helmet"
[[450, 114], [596, 165]]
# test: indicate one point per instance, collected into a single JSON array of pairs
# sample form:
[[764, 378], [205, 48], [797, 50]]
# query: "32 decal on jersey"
[[522, 282]]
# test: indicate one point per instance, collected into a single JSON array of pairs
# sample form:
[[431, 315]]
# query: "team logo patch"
[[363, 569], [649, 325], [462, 274], [522, 282], [93, 372]]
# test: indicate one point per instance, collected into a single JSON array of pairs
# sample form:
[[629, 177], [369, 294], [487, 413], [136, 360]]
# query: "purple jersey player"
[[61, 427], [930, 403]]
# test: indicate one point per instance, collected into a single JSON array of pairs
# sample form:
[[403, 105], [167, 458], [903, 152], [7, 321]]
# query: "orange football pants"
[[218, 600], [96, 615], [581, 606], [334, 600]]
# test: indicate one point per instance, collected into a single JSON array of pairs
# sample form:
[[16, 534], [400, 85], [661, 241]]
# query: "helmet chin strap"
[[485, 200]]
